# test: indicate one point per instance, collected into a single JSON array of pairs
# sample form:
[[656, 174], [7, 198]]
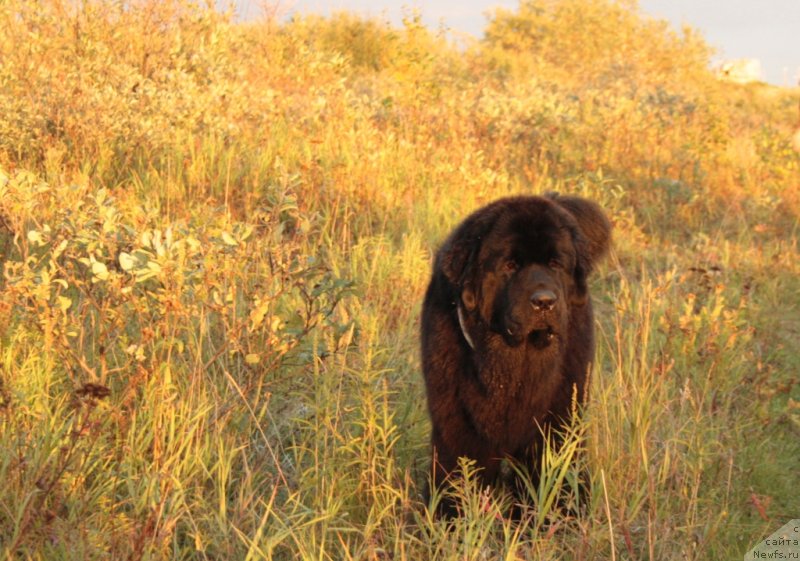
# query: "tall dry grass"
[[214, 239]]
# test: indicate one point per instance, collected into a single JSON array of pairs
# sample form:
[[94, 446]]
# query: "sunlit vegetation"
[[214, 239]]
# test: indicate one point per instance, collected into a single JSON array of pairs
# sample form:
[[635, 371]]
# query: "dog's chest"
[[511, 400]]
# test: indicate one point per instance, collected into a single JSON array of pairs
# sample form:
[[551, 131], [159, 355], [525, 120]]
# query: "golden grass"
[[214, 240]]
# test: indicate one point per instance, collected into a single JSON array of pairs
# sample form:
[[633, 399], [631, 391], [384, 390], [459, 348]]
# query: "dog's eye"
[[511, 266], [555, 264]]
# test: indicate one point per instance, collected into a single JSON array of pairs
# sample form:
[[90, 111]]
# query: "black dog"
[[507, 330]]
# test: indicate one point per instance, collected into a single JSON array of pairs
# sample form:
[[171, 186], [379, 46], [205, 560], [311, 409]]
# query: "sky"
[[768, 30]]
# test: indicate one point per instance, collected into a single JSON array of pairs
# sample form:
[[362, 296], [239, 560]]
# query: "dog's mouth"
[[541, 338]]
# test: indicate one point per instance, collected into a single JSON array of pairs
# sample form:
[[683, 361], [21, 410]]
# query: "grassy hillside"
[[214, 240]]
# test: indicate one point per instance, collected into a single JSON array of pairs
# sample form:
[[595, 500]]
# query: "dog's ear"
[[457, 258], [593, 224], [592, 240]]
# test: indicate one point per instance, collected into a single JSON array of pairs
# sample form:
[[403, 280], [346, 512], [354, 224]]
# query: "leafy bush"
[[204, 314]]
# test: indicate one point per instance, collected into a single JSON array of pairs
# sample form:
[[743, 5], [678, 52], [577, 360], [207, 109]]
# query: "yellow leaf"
[[35, 237], [126, 261], [100, 270], [64, 303], [257, 314], [60, 249], [252, 358], [228, 239]]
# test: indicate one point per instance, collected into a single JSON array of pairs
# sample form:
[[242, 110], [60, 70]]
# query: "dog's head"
[[519, 264]]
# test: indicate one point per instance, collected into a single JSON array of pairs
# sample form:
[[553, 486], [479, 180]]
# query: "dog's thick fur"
[[507, 330]]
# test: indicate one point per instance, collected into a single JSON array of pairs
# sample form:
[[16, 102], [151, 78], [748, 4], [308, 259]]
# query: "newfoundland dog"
[[507, 334]]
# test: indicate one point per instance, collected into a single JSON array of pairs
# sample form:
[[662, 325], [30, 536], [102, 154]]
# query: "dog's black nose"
[[544, 300]]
